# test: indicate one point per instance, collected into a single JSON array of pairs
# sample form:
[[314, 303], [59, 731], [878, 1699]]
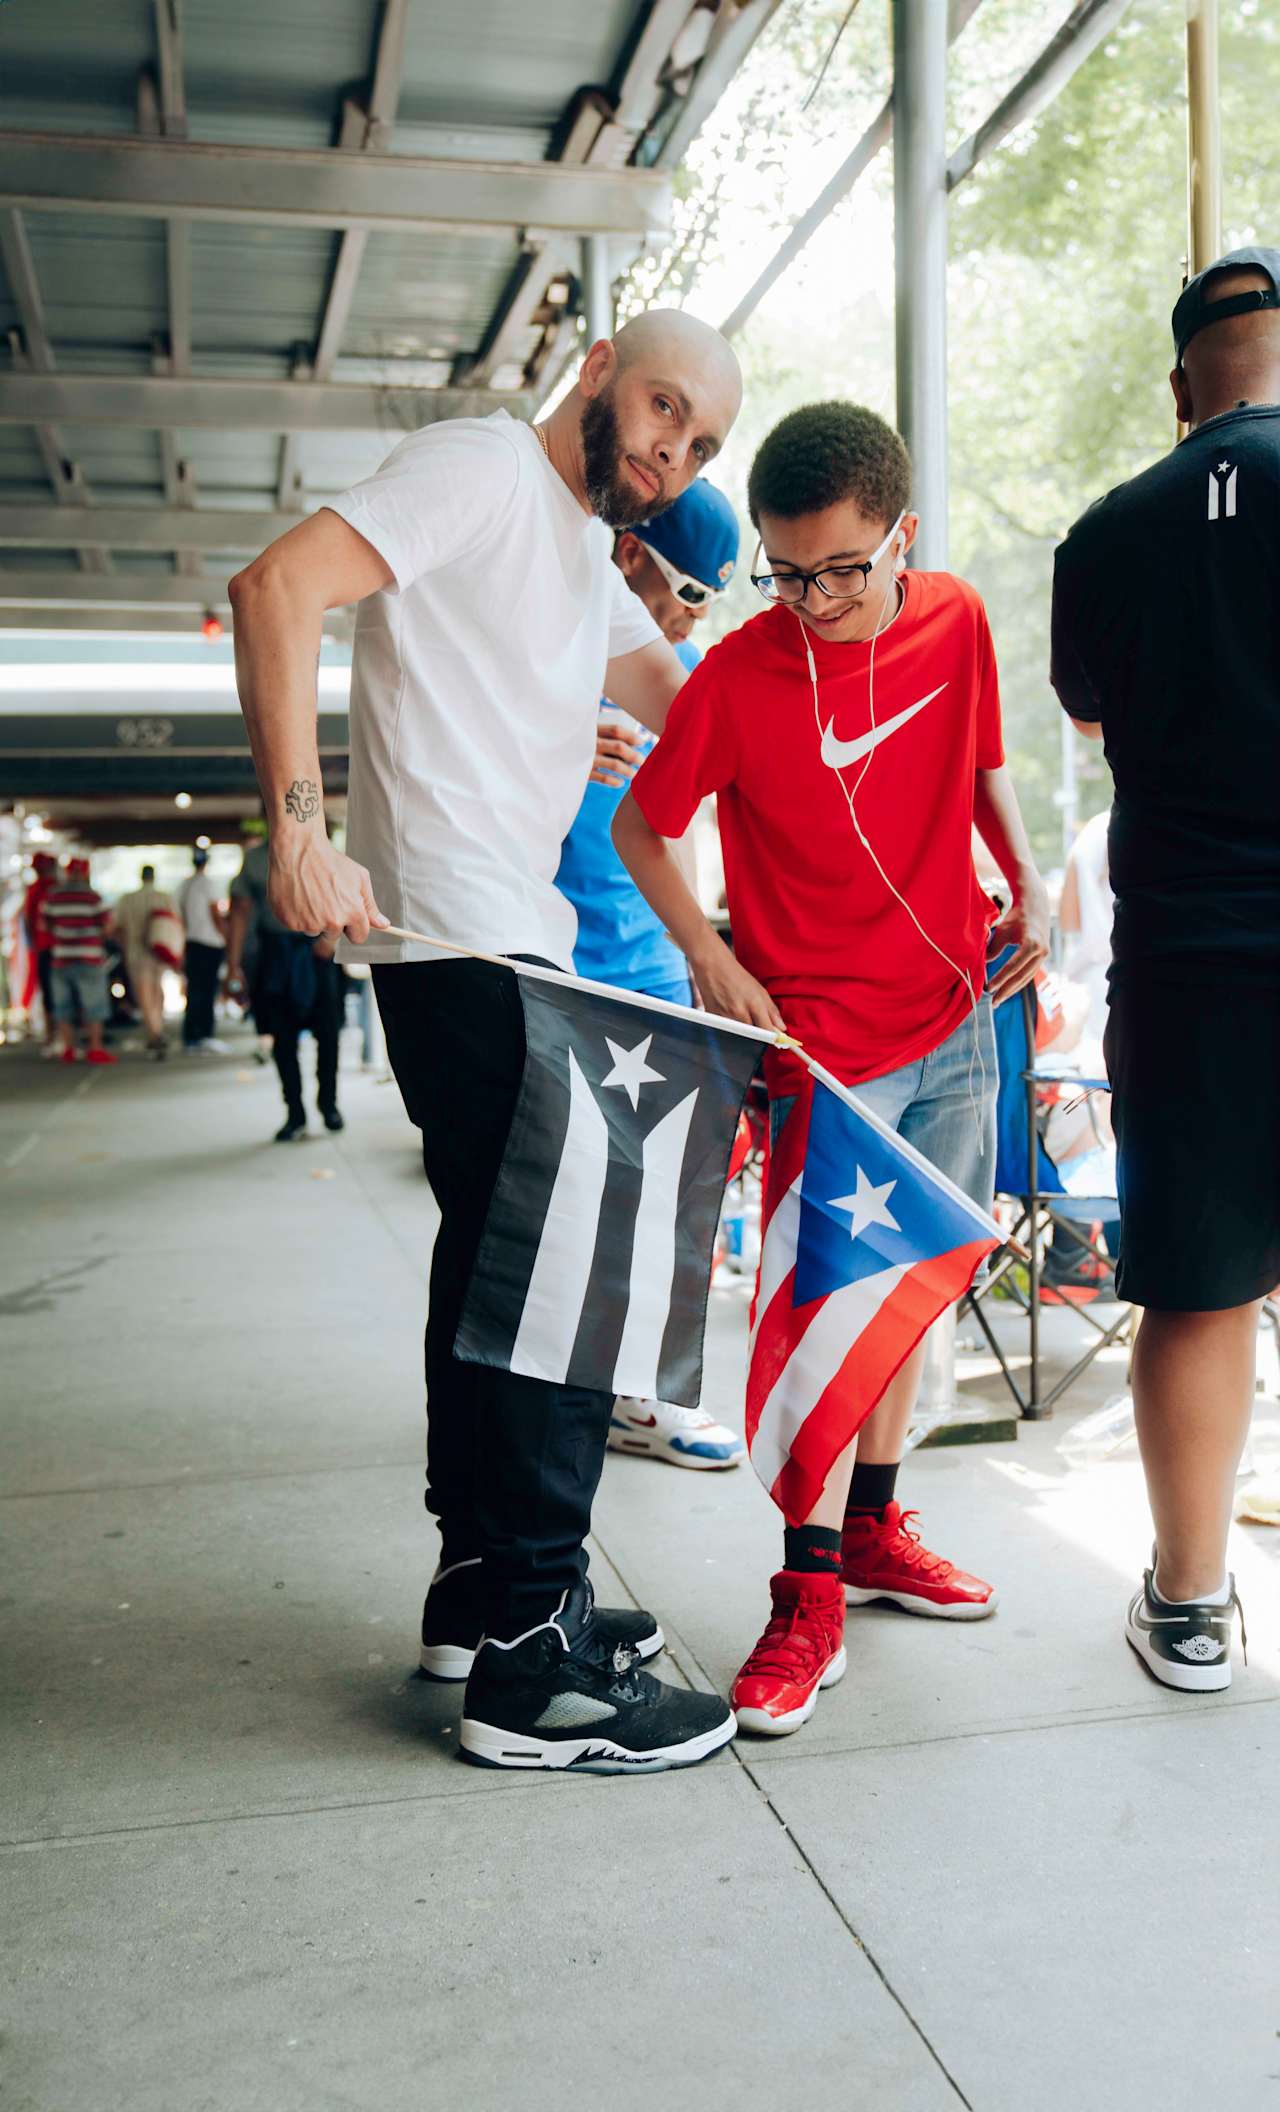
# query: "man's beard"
[[615, 501]]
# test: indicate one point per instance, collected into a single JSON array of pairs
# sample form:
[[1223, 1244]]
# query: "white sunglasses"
[[692, 592]]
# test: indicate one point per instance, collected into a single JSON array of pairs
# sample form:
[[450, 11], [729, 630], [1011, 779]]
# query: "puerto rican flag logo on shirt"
[[865, 1245]]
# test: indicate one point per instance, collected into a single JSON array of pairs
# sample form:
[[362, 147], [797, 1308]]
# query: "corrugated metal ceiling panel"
[[481, 80]]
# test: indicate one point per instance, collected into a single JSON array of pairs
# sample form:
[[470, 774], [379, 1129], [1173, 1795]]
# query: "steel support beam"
[[736, 29], [170, 71], [665, 20], [296, 187], [140, 623], [597, 288], [541, 262], [178, 246], [920, 249], [179, 481], [363, 131], [1082, 32], [221, 402], [1204, 136], [139, 590], [35, 355], [140, 528], [877, 136]]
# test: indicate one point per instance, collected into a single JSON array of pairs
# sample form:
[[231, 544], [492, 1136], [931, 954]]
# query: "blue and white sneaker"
[[687, 1437]]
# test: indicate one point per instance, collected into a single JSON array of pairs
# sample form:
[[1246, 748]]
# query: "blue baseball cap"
[[697, 536]]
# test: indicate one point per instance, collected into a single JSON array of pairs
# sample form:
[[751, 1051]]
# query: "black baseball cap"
[[1195, 307]]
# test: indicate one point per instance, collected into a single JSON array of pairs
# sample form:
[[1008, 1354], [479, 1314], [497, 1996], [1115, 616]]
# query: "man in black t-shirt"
[[1166, 645]]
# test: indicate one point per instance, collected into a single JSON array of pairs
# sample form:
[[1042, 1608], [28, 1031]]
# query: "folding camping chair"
[[1027, 1177]]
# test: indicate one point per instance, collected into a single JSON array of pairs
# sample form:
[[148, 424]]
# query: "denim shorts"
[[80, 989], [943, 1103]]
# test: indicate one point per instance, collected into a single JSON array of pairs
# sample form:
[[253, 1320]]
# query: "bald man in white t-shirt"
[[491, 619]]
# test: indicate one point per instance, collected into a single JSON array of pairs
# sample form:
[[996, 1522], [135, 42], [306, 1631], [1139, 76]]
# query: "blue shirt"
[[620, 940]]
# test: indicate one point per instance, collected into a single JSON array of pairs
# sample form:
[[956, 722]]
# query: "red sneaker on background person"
[[883, 1557], [101, 1056], [800, 1652]]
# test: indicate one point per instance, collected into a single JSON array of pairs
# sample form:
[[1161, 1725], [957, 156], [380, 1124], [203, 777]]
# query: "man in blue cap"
[[1164, 646], [678, 565]]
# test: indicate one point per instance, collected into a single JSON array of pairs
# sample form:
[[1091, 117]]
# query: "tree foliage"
[[1068, 247]]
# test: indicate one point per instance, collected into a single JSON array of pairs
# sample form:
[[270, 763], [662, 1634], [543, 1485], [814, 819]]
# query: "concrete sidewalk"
[[244, 1869]]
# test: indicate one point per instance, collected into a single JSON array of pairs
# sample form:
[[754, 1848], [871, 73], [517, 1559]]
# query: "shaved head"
[[653, 408], [1236, 360], [661, 333]]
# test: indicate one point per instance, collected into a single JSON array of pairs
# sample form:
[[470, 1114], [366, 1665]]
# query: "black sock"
[[871, 1488], [812, 1548]]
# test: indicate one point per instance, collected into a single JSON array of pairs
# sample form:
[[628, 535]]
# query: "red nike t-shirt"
[[812, 919]]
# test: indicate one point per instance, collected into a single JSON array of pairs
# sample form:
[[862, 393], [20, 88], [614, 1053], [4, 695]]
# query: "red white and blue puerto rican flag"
[[865, 1244]]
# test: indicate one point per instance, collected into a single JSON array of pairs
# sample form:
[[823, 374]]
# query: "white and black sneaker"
[[453, 1622], [1186, 1645], [560, 1696]]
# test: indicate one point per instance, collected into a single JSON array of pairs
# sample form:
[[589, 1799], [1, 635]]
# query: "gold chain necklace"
[[542, 441]]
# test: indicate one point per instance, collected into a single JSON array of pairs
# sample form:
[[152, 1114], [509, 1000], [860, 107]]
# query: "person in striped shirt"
[[74, 918]]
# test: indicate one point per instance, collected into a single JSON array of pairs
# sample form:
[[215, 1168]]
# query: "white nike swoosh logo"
[[837, 755]]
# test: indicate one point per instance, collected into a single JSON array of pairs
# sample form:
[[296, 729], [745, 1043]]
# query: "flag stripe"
[[818, 1359], [562, 1268], [573, 1233], [653, 1254], [822, 1357], [776, 1255], [904, 1316]]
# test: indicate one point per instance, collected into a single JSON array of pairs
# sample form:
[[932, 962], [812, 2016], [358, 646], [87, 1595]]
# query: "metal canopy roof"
[[244, 245]]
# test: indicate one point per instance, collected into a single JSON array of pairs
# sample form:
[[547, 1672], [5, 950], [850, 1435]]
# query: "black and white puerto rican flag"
[[595, 1262]]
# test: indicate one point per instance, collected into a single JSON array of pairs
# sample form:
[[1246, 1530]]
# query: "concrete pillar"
[[920, 248]]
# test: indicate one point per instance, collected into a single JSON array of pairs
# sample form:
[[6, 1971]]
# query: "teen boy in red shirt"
[[851, 733]]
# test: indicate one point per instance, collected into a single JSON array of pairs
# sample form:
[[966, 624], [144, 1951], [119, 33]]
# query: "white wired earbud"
[[850, 798]]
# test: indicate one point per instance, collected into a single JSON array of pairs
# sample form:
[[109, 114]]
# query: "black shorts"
[[1195, 1078]]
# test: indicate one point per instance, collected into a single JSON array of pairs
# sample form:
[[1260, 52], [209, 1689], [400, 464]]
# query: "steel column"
[[1204, 136], [920, 247], [597, 288]]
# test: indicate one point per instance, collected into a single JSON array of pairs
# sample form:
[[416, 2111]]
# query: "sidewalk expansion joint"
[[212, 1481], [744, 1763], [865, 1948], [1081, 1719]]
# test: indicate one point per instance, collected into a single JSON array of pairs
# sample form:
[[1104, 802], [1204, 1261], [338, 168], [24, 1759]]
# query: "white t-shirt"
[[474, 687], [196, 898]]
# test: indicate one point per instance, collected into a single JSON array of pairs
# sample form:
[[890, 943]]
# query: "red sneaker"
[[68, 1056], [101, 1056], [885, 1559], [801, 1650]]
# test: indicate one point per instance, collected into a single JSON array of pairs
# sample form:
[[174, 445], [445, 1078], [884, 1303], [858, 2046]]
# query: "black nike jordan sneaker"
[[1185, 1645], [453, 1622], [560, 1696]]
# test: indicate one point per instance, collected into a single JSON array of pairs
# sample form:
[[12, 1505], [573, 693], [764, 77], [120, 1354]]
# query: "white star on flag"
[[1224, 467], [630, 1069], [868, 1205]]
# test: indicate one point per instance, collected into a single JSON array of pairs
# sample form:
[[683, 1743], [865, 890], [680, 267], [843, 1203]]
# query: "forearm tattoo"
[[302, 799]]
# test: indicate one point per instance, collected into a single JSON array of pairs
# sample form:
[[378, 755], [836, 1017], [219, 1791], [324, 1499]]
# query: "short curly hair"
[[825, 453]]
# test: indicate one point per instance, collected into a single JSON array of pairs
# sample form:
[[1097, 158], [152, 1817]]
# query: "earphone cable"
[[850, 800]]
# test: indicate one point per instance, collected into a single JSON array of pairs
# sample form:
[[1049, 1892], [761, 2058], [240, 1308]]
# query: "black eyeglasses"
[[837, 582]]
